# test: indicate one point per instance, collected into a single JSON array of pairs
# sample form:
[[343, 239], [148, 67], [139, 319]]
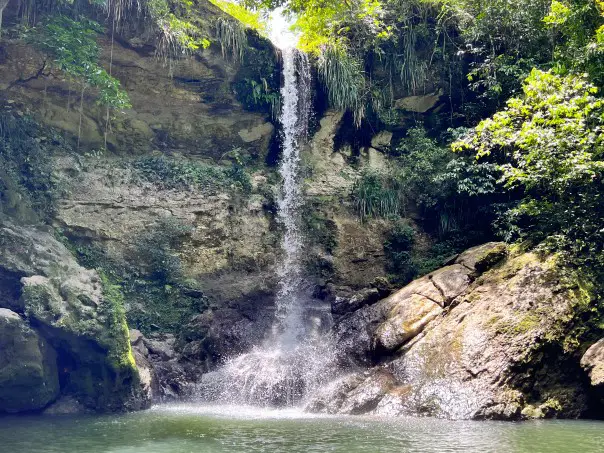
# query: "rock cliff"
[[490, 336], [137, 253]]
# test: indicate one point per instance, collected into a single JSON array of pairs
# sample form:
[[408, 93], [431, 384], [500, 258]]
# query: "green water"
[[194, 429]]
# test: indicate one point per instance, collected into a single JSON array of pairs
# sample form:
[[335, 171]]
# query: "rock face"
[[471, 340], [593, 363], [29, 379], [75, 329]]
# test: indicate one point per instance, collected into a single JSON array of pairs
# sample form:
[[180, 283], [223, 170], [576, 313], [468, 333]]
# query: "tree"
[[549, 143]]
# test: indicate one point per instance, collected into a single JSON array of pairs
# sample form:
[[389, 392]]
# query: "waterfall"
[[294, 119], [293, 360]]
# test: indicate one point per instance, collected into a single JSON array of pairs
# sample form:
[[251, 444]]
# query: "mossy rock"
[[29, 379]]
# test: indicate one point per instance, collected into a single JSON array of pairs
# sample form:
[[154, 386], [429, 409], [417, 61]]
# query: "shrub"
[[398, 248], [173, 174], [376, 194], [548, 145]]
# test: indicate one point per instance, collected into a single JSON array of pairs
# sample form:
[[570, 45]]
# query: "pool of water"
[[198, 429]]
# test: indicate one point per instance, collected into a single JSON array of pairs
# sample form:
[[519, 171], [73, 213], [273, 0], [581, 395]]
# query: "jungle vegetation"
[[516, 152], [519, 152]]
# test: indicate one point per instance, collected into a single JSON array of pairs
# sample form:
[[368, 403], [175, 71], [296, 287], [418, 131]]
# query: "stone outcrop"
[[29, 379], [480, 338], [74, 325], [593, 363]]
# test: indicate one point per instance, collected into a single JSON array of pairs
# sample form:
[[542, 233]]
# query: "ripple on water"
[[185, 428]]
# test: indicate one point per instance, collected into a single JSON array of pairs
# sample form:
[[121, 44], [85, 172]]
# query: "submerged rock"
[[29, 379]]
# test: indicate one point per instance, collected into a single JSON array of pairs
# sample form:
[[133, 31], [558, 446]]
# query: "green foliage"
[[174, 174], [548, 144], [259, 96], [27, 186], [344, 78], [258, 81], [232, 37], [377, 194], [73, 47], [398, 248], [243, 15]]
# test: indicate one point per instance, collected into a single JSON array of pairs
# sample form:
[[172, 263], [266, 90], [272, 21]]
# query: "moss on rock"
[[28, 368]]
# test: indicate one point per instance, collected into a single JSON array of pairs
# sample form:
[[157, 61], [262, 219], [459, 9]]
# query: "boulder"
[[483, 257], [451, 281], [593, 363], [418, 104], [77, 313], [29, 379], [352, 302], [406, 320], [66, 405], [382, 140], [484, 338]]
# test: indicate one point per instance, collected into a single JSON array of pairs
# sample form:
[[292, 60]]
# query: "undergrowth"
[[172, 174]]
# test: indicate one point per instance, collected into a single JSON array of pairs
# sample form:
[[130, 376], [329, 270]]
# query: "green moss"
[[527, 323], [28, 190], [181, 174], [120, 352]]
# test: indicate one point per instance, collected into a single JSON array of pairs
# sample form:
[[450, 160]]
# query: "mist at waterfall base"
[[296, 358]]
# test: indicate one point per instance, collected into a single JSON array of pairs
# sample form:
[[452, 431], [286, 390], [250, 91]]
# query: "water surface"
[[196, 429]]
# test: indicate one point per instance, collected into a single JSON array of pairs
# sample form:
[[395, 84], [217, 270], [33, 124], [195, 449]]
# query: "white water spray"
[[294, 360], [294, 119]]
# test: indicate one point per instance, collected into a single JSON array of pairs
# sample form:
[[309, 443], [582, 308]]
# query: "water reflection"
[[188, 428]]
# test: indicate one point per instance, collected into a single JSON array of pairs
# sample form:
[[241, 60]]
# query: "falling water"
[[293, 359], [294, 119]]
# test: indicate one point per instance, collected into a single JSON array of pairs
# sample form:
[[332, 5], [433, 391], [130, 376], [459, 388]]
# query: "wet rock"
[[407, 319], [490, 355], [365, 397], [175, 379], [66, 405], [349, 303], [72, 311], [223, 332], [29, 378], [593, 363], [161, 346], [332, 396], [354, 335]]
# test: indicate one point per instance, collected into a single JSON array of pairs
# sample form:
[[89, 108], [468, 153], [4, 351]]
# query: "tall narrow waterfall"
[[292, 360], [294, 119]]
